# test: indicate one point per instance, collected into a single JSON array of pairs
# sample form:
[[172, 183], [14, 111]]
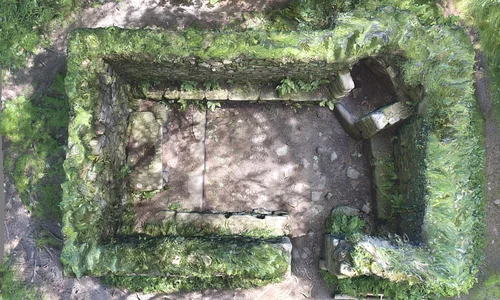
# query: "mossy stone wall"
[[234, 70]]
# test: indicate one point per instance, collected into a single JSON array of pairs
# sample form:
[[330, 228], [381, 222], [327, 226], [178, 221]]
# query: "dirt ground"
[[42, 267]]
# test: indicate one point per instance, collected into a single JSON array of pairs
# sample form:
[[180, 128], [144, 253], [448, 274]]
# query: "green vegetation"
[[11, 288], [24, 25], [490, 289], [36, 129]]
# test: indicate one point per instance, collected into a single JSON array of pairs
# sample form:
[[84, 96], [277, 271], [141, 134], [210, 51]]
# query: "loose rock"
[[334, 156], [282, 151], [315, 196], [352, 173], [497, 202], [366, 209]]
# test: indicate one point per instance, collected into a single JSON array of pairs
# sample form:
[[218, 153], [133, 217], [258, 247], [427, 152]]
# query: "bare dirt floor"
[[41, 266]]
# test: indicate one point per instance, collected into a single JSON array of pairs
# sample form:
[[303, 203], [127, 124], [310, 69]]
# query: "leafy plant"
[[189, 86], [345, 225], [289, 86], [212, 105], [328, 103]]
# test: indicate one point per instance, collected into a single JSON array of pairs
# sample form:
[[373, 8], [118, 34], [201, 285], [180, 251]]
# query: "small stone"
[[282, 151], [177, 260], [100, 129], [207, 260], [497, 202], [334, 156], [303, 255], [310, 233], [356, 154], [322, 183], [366, 209], [320, 150], [315, 196], [352, 173], [165, 175], [328, 196]]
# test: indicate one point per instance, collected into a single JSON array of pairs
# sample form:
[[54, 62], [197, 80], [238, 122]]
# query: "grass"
[[11, 288], [36, 129], [25, 25]]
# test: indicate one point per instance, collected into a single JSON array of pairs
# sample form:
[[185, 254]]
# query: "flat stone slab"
[[144, 152], [184, 158], [383, 118]]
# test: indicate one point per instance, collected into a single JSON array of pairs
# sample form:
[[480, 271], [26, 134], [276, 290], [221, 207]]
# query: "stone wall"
[[239, 70]]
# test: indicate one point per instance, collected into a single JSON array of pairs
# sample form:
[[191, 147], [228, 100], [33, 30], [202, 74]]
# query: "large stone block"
[[342, 85], [244, 93], [384, 117], [337, 260], [144, 152]]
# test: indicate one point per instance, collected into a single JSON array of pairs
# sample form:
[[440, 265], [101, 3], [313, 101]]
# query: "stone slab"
[[184, 157], [144, 152], [383, 118]]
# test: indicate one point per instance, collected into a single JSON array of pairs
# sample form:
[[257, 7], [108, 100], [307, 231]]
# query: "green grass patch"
[[36, 128], [11, 288]]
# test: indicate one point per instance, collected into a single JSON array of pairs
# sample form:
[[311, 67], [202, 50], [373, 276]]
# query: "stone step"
[[248, 92]]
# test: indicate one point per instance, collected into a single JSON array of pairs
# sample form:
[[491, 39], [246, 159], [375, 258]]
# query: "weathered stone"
[[268, 93], [217, 95], [346, 120], [144, 152], [154, 94], [282, 151], [244, 93], [272, 225], [192, 95], [315, 196], [160, 112], [352, 173], [333, 156], [337, 259], [396, 112], [100, 129], [328, 196], [95, 147], [341, 85], [171, 94], [497, 202], [317, 95], [366, 209], [383, 118]]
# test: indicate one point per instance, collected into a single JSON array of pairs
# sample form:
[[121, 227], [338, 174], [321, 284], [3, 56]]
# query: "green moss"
[[11, 287], [37, 131]]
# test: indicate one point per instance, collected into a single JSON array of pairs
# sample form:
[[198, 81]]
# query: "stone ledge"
[[236, 224]]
